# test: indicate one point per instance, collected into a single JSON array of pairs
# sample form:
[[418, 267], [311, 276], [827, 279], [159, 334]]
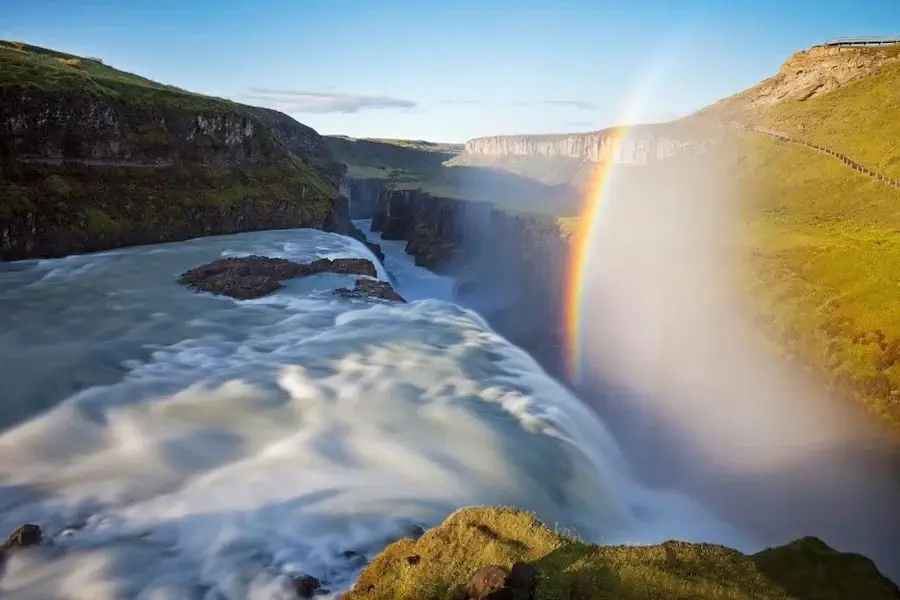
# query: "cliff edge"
[[450, 562], [637, 145], [93, 158]]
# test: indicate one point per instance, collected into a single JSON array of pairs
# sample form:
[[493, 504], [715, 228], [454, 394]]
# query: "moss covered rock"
[[470, 539]]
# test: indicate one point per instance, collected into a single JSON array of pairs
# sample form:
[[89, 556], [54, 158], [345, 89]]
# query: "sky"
[[450, 70]]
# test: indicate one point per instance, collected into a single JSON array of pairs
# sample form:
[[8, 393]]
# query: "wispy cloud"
[[579, 104], [460, 102], [301, 101]]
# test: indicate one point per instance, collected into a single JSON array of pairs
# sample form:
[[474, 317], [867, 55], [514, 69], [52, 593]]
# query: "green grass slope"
[[554, 170], [806, 569], [402, 161], [822, 246], [41, 69]]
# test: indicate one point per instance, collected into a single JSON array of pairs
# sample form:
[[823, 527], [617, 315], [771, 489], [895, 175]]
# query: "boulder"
[[306, 586], [24, 536], [521, 581], [370, 288], [490, 581], [254, 276]]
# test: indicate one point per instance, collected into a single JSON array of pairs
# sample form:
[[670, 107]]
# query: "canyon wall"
[[639, 145], [107, 160], [362, 195], [510, 267]]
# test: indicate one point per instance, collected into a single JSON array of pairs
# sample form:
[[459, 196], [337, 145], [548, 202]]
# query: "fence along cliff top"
[[863, 41]]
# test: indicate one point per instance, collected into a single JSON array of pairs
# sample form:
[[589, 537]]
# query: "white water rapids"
[[180, 445]]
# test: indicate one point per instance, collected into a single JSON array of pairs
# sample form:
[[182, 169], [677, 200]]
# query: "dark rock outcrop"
[[23, 537], [255, 276], [433, 226], [307, 586], [370, 288], [522, 580]]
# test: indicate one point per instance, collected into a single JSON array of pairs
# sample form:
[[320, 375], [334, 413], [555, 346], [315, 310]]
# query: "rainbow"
[[585, 239], [583, 244]]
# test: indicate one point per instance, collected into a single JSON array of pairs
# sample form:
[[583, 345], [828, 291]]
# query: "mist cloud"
[[303, 101]]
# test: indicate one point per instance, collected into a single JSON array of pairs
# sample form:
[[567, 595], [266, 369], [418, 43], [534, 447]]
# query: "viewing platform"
[[863, 41]]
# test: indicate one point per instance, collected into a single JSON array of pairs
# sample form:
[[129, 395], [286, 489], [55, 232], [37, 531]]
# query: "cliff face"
[[635, 146], [38, 125], [362, 196], [92, 158]]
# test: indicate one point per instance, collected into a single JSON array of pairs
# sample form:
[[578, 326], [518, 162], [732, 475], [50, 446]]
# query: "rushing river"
[[180, 445]]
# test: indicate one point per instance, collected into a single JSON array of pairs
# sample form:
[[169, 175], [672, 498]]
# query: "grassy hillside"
[[446, 557], [403, 161], [823, 244], [549, 170], [41, 69], [821, 261], [122, 159]]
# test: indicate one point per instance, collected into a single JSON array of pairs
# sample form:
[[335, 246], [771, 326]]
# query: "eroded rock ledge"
[[254, 276]]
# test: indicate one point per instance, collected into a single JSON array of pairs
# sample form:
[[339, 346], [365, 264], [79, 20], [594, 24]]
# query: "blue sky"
[[450, 70]]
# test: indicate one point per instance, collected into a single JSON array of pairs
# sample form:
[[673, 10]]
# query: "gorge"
[[178, 444]]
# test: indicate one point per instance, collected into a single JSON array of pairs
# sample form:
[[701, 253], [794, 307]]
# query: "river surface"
[[179, 445]]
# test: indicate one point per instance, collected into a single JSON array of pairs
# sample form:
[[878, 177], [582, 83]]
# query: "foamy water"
[[181, 445]]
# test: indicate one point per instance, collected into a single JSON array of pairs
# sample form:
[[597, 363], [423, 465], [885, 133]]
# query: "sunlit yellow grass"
[[821, 260], [569, 569]]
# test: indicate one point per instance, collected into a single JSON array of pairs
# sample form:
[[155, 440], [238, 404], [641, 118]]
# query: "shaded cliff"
[[362, 195], [510, 266], [94, 158]]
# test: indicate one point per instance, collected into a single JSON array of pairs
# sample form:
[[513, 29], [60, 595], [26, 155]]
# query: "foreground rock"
[[494, 553], [369, 288], [24, 536], [250, 277]]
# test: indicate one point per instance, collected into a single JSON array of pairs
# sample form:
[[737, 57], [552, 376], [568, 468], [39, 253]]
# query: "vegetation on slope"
[[41, 69], [821, 264], [447, 556], [821, 247], [400, 161], [76, 208], [557, 170]]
